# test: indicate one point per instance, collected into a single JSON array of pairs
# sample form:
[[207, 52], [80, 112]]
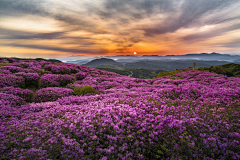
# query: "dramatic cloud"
[[119, 27]]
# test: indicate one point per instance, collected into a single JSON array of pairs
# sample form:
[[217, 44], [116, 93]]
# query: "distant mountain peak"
[[100, 62], [215, 53]]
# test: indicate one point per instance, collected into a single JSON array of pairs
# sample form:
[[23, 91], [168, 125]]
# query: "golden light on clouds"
[[29, 24], [114, 27]]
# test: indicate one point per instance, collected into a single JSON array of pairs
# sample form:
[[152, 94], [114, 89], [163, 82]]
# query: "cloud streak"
[[147, 26]]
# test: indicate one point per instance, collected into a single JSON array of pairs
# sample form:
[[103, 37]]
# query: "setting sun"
[[135, 53]]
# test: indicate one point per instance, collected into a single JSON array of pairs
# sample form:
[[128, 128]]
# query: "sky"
[[61, 28]]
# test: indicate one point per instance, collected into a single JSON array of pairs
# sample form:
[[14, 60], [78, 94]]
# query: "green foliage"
[[220, 70], [42, 71], [4, 64], [171, 73], [203, 68], [77, 90], [233, 68], [83, 90], [229, 69], [136, 73], [118, 71]]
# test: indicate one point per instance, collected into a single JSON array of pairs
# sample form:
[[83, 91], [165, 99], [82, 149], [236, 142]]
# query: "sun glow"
[[135, 53]]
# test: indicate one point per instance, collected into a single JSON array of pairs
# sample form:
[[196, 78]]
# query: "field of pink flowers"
[[193, 115]]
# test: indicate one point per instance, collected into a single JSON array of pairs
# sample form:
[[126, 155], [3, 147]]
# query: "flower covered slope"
[[195, 114]]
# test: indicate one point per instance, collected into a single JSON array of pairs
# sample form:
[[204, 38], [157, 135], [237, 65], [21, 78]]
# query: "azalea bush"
[[23, 93], [31, 79], [184, 114], [10, 100], [80, 75], [55, 80], [12, 69], [7, 80], [51, 94], [65, 79], [48, 80], [3, 60], [55, 69]]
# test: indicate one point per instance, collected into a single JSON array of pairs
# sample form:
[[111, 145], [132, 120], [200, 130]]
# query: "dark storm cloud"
[[134, 9], [232, 44], [71, 22], [191, 14], [178, 14], [74, 23], [50, 48], [26, 35], [13, 34], [122, 19], [209, 34], [20, 7]]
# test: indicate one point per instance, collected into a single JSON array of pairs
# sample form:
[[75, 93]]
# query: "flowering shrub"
[[65, 79], [48, 80], [2, 60], [31, 79], [74, 69], [11, 60], [183, 114], [23, 93], [57, 69], [51, 94], [7, 80], [48, 67], [11, 100], [32, 70], [27, 64], [47, 72], [44, 63], [12, 69], [55, 80], [3, 71], [80, 75]]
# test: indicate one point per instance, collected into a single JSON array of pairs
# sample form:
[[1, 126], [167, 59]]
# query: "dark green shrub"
[[220, 70], [83, 90], [4, 64], [171, 73], [77, 90], [203, 68]]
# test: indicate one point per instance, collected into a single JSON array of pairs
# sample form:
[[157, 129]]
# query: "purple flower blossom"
[[194, 111], [51, 94]]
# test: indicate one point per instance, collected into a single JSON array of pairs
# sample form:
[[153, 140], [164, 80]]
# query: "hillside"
[[230, 69], [30, 59], [69, 111], [202, 57], [233, 68], [97, 63], [167, 65], [136, 73]]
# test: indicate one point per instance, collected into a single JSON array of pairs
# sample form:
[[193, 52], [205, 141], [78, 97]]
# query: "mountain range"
[[227, 58]]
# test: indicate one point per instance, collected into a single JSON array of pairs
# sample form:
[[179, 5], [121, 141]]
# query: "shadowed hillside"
[[229, 69]]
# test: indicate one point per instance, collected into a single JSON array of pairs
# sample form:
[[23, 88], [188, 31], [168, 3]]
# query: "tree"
[[194, 65]]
